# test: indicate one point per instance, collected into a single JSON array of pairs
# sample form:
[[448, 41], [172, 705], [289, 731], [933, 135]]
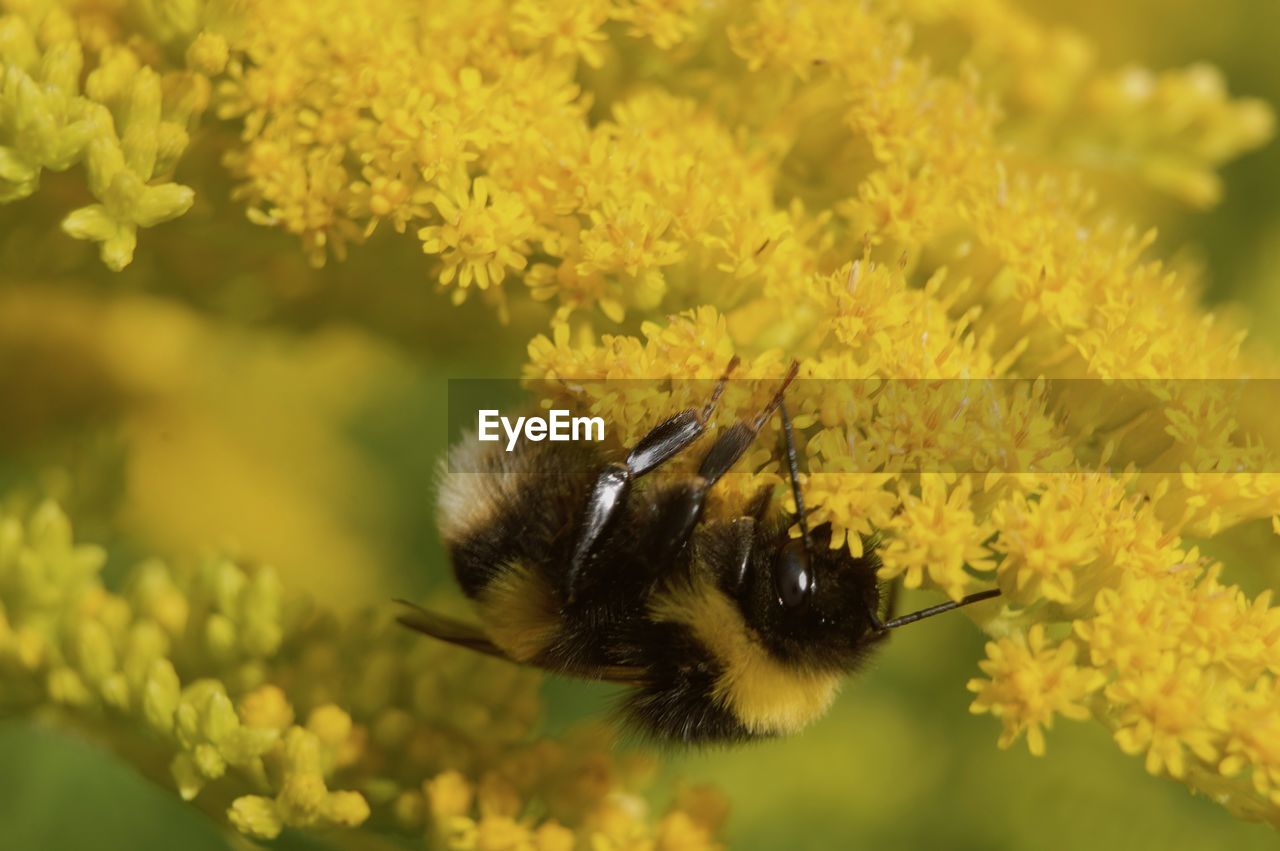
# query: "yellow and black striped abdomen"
[[507, 520], [764, 695]]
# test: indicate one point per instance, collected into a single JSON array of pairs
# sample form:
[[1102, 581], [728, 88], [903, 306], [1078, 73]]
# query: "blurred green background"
[[899, 763]]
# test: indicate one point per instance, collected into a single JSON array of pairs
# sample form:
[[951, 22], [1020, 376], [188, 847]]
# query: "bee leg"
[[672, 435], [891, 599], [754, 515], [890, 607], [613, 485], [682, 516], [731, 445], [744, 530]]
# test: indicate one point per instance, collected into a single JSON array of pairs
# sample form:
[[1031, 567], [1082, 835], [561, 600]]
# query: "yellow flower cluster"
[[64, 639], [977, 263], [489, 148], [125, 120], [1179, 666], [213, 677], [1169, 130]]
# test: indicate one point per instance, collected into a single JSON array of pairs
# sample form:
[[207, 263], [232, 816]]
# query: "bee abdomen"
[[763, 696], [498, 509], [682, 709]]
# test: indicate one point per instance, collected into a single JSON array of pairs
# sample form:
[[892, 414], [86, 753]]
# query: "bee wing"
[[470, 636]]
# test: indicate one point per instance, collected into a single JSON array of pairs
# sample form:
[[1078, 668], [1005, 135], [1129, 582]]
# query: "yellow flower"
[[256, 816], [47, 125], [482, 235], [1253, 739], [629, 240], [448, 795], [1045, 541], [936, 535], [124, 127], [1161, 712], [856, 504], [1030, 681], [266, 706], [568, 29], [667, 22]]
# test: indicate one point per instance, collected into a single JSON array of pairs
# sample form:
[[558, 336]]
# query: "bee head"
[[810, 605]]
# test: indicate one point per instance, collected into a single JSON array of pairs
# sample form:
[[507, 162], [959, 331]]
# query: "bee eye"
[[793, 577]]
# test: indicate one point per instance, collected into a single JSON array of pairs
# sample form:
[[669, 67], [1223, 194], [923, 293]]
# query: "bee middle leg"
[[683, 513], [613, 485]]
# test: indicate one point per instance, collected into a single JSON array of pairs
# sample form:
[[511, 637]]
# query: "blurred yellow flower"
[[220, 691]]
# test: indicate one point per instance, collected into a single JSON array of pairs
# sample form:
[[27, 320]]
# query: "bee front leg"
[[613, 485], [731, 445]]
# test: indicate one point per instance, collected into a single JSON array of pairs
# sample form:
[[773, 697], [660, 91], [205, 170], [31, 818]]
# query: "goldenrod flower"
[[481, 236], [1252, 739], [1031, 681], [936, 535], [1047, 541], [914, 198], [567, 29], [1164, 711]]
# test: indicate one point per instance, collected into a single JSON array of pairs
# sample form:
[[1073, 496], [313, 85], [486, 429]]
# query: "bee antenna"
[[793, 468], [939, 609]]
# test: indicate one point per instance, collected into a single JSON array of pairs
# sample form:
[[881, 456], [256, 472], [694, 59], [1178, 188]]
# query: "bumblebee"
[[724, 630]]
